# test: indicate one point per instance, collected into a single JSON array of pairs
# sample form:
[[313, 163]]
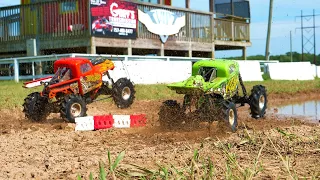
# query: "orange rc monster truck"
[[76, 82]]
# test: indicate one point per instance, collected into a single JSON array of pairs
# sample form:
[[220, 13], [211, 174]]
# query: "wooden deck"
[[202, 32]]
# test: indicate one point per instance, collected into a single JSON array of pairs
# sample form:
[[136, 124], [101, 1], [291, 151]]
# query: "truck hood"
[[195, 85]]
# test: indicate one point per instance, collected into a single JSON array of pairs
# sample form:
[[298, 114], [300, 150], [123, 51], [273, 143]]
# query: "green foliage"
[[103, 174], [198, 168]]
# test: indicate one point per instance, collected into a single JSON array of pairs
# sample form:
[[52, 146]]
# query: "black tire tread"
[[256, 92], [64, 107], [226, 107], [34, 107], [117, 90]]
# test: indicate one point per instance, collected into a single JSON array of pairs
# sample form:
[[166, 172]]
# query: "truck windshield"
[[62, 74], [208, 73]]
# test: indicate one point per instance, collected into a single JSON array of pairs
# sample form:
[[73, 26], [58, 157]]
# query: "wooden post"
[[129, 47], [213, 51], [190, 49], [212, 35], [211, 4], [162, 50], [92, 48], [232, 30], [244, 53], [188, 4]]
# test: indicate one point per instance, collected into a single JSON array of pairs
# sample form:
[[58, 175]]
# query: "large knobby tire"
[[34, 107], [123, 93], [230, 115], [72, 107], [170, 115], [258, 101]]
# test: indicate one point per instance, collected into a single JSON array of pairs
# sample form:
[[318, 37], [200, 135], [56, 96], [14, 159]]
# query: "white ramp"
[[291, 71], [250, 70]]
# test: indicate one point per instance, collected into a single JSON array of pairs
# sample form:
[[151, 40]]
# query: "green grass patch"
[[154, 92], [12, 94], [277, 87]]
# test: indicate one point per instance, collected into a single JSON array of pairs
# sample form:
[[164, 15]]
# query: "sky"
[[283, 21]]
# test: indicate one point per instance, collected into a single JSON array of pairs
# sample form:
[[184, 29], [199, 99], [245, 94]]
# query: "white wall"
[[318, 71], [152, 72], [291, 71], [250, 70], [164, 72]]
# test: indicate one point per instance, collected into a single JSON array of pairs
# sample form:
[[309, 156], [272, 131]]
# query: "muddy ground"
[[53, 150]]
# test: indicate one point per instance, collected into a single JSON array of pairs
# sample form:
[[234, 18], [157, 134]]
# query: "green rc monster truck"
[[211, 94]]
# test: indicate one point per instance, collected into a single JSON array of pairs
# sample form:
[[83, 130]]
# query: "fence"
[[40, 66]]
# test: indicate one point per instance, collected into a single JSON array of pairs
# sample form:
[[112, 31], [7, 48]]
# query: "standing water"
[[309, 110]]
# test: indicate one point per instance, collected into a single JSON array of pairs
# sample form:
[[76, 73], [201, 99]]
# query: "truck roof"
[[72, 61], [221, 65]]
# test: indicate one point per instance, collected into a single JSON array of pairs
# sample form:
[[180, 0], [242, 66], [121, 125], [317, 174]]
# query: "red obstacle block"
[[110, 121], [138, 120], [103, 122]]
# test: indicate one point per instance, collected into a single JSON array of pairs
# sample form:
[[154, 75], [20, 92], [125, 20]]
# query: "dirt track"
[[52, 150]]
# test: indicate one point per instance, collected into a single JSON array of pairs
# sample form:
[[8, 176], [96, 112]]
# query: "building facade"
[[190, 28]]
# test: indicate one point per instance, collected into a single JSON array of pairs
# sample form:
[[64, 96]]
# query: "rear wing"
[[37, 82]]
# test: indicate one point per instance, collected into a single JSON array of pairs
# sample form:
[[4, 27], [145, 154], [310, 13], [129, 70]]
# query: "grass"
[[12, 94], [262, 152]]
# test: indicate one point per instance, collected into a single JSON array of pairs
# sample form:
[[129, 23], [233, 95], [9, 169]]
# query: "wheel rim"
[[231, 117], [75, 109], [126, 93], [261, 102]]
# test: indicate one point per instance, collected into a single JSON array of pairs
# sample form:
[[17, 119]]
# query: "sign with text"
[[113, 18]]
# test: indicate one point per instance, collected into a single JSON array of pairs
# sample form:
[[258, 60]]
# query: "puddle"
[[309, 110]]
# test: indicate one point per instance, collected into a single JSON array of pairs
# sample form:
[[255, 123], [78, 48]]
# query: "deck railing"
[[230, 30], [45, 20], [50, 20]]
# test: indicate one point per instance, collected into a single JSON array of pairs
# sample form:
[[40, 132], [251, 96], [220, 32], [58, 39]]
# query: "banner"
[[113, 18]]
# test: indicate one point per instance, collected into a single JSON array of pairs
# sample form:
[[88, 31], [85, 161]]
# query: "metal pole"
[[33, 70], [291, 46], [302, 33], [314, 38], [16, 70], [232, 8], [269, 30]]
